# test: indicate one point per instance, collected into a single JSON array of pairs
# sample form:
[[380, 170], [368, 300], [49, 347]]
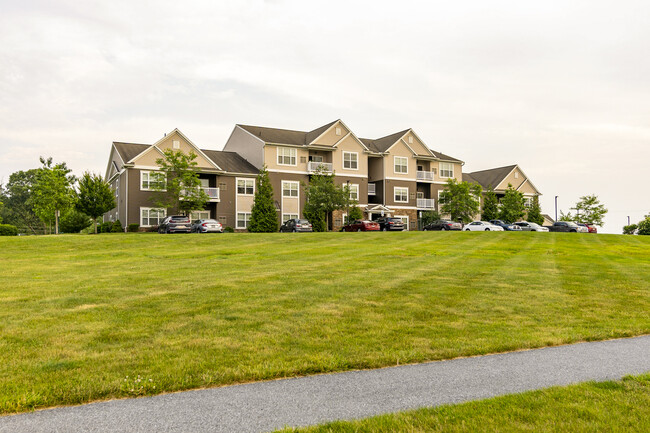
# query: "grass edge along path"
[[88, 318], [621, 405]]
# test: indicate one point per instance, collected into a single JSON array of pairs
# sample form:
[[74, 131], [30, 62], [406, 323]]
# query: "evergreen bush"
[[134, 227], [8, 230], [117, 227]]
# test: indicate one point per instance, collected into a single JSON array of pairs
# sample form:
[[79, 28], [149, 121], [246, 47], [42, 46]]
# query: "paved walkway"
[[265, 406]]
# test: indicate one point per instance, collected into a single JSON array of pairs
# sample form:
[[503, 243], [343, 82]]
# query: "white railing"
[[212, 193], [424, 175], [426, 203], [324, 166], [371, 189]]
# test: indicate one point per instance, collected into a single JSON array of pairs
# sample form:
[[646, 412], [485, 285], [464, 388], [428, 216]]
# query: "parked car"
[[482, 226], [443, 225], [506, 226], [296, 225], [175, 224], [207, 226], [361, 226], [590, 228], [531, 227], [390, 224], [565, 226]]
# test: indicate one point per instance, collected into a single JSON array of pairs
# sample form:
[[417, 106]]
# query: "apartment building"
[[396, 175]]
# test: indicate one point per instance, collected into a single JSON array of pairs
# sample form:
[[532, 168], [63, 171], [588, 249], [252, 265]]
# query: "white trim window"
[[401, 194], [243, 219], [287, 156], [200, 215], [446, 169], [289, 216], [289, 188], [528, 202], [150, 216], [354, 191], [245, 186], [152, 181], [401, 165], [405, 220], [351, 160]]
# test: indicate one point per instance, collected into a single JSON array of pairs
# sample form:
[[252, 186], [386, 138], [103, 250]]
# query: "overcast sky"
[[559, 87]]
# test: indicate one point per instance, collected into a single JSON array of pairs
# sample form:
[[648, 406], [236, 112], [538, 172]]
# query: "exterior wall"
[[458, 174], [271, 159], [527, 188], [390, 193], [225, 208], [329, 138], [363, 186], [289, 205], [350, 145], [435, 193], [375, 169], [247, 145], [510, 179], [119, 186], [185, 147], [411, 214], [400, 149], [417, 146]]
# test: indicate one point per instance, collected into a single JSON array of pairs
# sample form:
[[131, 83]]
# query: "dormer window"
[[516, 175], [338, 131], [410, 139], [176, 144]]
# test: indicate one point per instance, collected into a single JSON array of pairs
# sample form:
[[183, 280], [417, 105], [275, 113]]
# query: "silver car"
[[207, 226]]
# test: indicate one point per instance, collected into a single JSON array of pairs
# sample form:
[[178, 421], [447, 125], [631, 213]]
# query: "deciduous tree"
[[589, 210], [181, 186], [460, 200], [53, 192], [490, 206], [264, 218], [95, 197], [17, 199], [323, 197], [534, 214]]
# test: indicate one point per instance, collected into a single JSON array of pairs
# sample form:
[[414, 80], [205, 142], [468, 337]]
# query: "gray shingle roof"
[[230, 161], [382, 144], [489, 178], [128, 151], [286, 136]]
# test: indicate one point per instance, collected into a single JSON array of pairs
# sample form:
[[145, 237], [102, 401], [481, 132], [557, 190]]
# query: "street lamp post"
[[347, 183], [556, 208], [628, 220]]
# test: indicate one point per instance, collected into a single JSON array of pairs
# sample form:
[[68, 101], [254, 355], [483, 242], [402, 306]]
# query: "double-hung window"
[[401, 195], [289, 189], [151, 216], [354, 192], [243, 218], [401, 164], [152, 180], [286, 156], [446, 169], [351, 160], [245, 186], [289, 216]]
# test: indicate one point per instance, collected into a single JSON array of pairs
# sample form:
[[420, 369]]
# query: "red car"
[[590, 227], [361, 226]]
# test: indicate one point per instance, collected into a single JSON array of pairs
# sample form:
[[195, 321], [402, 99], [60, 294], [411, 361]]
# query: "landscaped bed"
[[117, 315], [590, 407]]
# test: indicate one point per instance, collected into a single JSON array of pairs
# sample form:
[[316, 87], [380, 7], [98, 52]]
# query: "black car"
[[390, 224], [296, 225], [443, 225], [175, 224], [506, 226]]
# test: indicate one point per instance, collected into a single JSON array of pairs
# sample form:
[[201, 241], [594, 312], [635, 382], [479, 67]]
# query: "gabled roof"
[[128, 151], [444, 157], [384, 143], [275, 135], [230, 161], [313, 135], [489, 178]]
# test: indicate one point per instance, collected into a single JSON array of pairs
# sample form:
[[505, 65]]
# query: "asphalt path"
[[265, 406]]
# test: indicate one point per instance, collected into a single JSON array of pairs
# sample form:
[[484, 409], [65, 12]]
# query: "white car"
[[482, 226], [531, 227]]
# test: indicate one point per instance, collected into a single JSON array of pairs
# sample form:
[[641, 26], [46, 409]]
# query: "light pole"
[[555, 208], [347, 183], [628, 220]]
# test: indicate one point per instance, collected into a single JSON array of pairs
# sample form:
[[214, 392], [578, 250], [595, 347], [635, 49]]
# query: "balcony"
[[212, 193], [426, 203], [371, 189], [325, 167], [426, 176]]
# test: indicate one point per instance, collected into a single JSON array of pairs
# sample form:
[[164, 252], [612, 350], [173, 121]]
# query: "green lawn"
[[614, 406], [83, 317]]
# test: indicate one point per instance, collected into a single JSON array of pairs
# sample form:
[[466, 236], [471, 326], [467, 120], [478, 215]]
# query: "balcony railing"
[[424, 175], [426, 203], [212, 193], [371, 189], [326, 167]]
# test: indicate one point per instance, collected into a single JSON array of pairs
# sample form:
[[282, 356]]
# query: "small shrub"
[[105, 227], [117, 227], [8, 230], [228, 230], [74, 222], [629, 230], [133, 228]]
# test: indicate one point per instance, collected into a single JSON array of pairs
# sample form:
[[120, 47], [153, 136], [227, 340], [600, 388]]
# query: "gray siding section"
[[246, 145]]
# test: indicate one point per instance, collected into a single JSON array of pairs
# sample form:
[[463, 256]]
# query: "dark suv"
[[175, 224], [296, 225], [388, 224]]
